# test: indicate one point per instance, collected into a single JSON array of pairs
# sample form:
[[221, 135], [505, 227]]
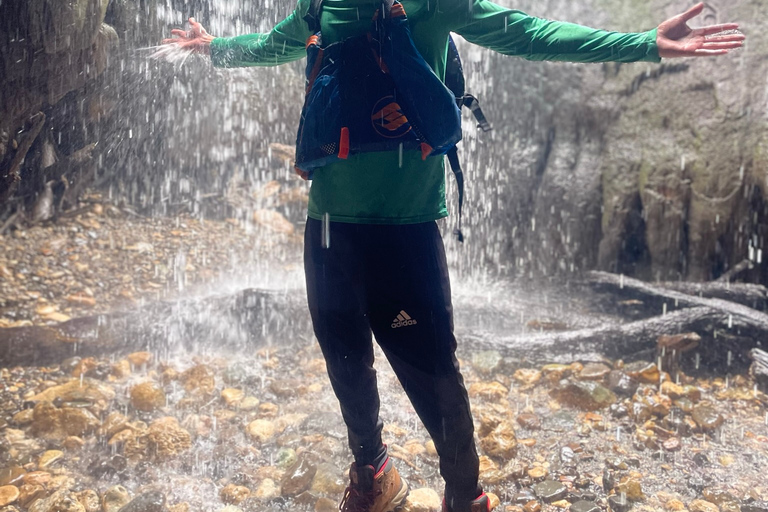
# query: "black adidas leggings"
[[391, 280]]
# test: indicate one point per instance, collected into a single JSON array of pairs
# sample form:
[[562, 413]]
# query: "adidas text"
[[403, 320]]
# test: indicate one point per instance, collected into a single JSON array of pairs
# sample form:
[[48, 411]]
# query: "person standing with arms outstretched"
[[384, 271]]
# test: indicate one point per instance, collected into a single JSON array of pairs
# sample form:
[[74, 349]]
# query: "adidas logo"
[[402, 320]]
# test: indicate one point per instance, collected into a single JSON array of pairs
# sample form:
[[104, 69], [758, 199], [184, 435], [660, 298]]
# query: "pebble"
[[268, 489], [594, 371], [632, 488], [328, 481], [674, 505], [324, 504], [248, 403], [527, 377], [486, 362], [8, 494], [643, 371], [234, 494], [702, 506], [550, 490], [42, 478], [298, 478], [532, 506], [707, 417], [261, 430], [49, 458], [488, 390], [11, 475], [501, 442], [23, 418], [621, 383], [529, 420], [672, 444], [586, 395], [232, 396], [523, 496], [90, 500], [619, 503], [585, 506], [115, 498], [147, 397], [286, 457], [422, 500], [152, 501]]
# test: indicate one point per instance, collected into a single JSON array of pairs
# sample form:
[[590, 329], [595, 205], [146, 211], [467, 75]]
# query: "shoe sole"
[[398, 501]]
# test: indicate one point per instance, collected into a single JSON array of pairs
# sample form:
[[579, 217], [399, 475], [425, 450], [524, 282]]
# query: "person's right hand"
[[196, 39]]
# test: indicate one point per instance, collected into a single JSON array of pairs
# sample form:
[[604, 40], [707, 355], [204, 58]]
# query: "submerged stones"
[[540, 430]]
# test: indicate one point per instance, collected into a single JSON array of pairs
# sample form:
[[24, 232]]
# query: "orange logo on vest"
[[389, 120]]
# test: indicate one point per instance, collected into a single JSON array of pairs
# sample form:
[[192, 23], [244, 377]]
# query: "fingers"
[[707, 53], [693, 11], [178, 32], [714, 29], [726, 38], [721, 46], [172, 40]]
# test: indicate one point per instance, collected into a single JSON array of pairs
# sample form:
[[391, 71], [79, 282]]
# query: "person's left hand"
[[676, 39]]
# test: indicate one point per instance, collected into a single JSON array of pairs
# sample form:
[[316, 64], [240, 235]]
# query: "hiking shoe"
[[479, 504], [370, 491]]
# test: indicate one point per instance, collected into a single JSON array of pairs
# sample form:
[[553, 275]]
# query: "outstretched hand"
[[676, 39], [196, 39]]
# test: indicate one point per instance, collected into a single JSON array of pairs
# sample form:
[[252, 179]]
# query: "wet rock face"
[[69, 42], [618, 182]]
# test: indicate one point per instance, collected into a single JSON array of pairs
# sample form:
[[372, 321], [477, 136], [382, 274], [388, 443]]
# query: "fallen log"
[[633, 340], [665, 300], [720, 333], [754, 296]]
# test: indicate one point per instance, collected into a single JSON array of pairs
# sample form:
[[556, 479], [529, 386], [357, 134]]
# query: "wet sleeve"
[[284, 43], [513, 32]]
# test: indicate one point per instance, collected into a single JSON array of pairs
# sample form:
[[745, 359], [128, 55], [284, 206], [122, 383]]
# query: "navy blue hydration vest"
[[372, 92], [375, 92]]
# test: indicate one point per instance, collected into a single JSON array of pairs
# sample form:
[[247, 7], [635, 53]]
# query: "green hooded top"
[[385, 187]]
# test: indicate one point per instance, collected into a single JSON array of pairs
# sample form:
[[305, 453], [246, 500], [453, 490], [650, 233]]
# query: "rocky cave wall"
[[653, 170]]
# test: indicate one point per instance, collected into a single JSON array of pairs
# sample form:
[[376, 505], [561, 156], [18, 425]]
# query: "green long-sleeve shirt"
[[379, 188]]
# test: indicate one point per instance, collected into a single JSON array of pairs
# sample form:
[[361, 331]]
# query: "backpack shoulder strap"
[[453, 159], [313, 15]]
